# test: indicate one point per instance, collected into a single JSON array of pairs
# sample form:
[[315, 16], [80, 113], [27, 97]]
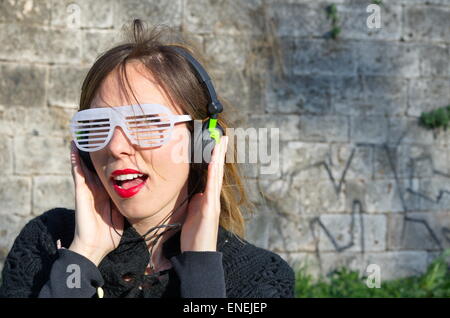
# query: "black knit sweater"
[[34, 264]]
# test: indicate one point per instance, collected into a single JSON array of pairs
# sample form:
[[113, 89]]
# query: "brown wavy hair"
[[175, 76]]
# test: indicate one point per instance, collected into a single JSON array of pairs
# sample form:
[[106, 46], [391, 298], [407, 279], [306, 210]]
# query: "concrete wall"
[[359, 183]]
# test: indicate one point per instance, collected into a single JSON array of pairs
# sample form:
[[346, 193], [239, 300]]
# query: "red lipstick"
[[124, 171], [127, 193]]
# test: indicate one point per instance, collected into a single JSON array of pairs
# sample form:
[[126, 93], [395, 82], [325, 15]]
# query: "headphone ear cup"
[[196, 150], [208, 141], [202, 144]]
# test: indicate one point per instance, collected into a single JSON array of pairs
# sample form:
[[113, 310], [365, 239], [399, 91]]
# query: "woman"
[[146, 224]]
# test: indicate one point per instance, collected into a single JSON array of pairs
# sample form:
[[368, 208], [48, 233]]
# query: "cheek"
[[99, 160], [172, 160]]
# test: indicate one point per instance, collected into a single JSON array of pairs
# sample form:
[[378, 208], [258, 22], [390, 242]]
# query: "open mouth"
[[128, 182]]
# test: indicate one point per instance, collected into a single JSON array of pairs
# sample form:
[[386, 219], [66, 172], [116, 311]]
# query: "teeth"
[[127, 177]]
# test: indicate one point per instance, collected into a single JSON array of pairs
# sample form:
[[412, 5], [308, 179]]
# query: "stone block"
[[249, 170], [52, 191], [398, 264], [240, 93], [65, 86], [387, 58], [352, 232], [227, 52], [424, 2], [253, 190], [407, 161], [22, 85], [258, 226], [36, 44], [434, 193], [383, 196], [419, 231], [223, 17], [83, 14], [288, 126], [15, 195], [353, 21], [151, 12], [273, 190], [435, 60], [298, 19], [48, 121], [323, 128], [441, 137], [96, 42], [303, 57], [41, 155], [25, 11], [320, 197], [288, 233], [356, 162], [406, 130], [427, 23], [369, 95], [258, 147], [306, 161], [426, 94], [6, 156], [369, 129], [299, 94]]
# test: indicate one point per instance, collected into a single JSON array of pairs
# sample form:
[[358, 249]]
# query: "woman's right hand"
[[94, 234]]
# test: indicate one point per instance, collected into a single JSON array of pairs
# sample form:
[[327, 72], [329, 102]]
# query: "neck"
[[158, 219]]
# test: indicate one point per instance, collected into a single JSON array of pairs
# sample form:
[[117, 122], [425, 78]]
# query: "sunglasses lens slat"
[[90, 147], [94, 139], [88, 134], [89, 128], [158, 125], [84, 124]]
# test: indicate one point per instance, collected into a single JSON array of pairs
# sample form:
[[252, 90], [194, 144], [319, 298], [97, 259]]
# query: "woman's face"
[[167, 174]]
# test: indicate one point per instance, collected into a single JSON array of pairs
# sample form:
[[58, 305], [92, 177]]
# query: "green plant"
[[332, 15], [436, 118], [435, 282]]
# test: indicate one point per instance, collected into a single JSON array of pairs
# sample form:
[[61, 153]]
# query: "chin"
[[137, 213]]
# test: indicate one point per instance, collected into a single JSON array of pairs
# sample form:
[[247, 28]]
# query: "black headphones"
[[211, 130]]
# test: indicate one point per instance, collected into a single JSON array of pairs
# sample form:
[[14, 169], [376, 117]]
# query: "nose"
[[119, 144]]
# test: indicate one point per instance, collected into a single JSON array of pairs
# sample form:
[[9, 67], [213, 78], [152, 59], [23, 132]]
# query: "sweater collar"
[[171, 247]]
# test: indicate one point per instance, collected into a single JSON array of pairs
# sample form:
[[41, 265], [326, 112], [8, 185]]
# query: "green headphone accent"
[[214, 132]]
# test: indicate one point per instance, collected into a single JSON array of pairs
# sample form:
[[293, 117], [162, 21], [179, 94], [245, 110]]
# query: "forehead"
[[114, 89]]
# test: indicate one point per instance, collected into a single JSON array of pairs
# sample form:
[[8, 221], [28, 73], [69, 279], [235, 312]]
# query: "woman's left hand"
[[200, 228]]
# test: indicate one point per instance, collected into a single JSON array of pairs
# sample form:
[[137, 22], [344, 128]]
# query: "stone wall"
[[359, 183]]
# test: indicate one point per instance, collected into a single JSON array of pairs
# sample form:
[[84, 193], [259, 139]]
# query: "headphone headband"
[[214, 106]]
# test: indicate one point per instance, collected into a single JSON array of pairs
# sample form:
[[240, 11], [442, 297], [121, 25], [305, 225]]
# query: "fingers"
[[80, 172], [216, 170], [75, 160], [222, 162]]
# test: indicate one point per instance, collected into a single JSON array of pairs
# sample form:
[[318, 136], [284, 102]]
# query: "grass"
[[437, 118], [333, 17], [435, 282]]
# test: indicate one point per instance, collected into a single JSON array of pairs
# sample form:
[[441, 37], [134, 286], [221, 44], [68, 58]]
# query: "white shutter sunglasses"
[[146, 125]]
